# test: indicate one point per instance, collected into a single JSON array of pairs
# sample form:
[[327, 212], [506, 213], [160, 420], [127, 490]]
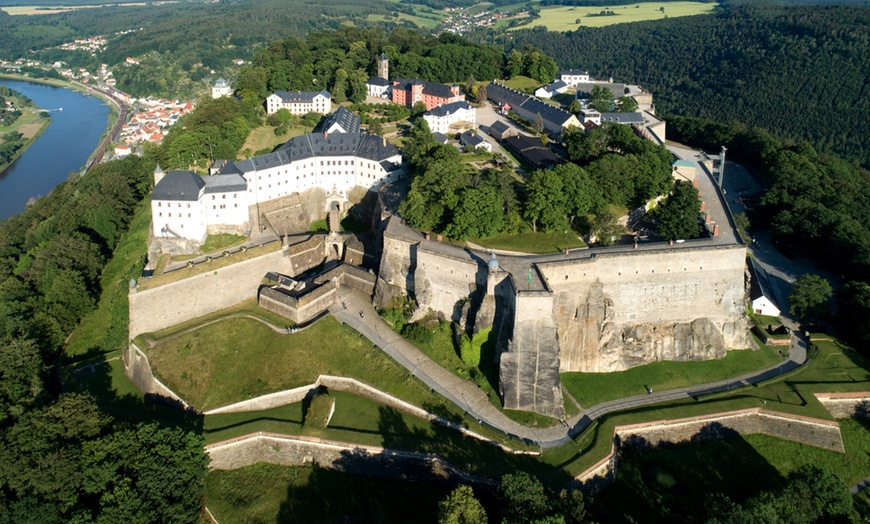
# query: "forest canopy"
[[800, 72]]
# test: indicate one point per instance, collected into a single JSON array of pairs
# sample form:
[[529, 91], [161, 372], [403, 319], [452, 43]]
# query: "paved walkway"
[[356, 311]]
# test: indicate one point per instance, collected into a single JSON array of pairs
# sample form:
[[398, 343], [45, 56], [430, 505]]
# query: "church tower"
[[383, 67]]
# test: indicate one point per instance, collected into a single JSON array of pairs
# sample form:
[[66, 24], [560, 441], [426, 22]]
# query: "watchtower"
[[383, 66]]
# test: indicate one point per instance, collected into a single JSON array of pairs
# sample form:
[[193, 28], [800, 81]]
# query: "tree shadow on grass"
[[669, 482], [114, 394], [403, 483]]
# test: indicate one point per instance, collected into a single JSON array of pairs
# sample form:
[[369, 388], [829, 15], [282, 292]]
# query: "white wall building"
[[221, 88], [572, 77], [188, 205], [300, 102], [442, 117]]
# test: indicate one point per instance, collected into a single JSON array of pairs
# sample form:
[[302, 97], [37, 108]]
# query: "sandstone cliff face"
[[591, 341]]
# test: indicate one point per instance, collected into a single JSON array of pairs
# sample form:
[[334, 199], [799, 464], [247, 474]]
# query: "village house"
[[472, 142], [549, 90], [572, 77], [221, 88]]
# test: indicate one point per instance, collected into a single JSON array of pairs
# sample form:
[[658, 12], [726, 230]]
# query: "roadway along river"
[[63, 148]]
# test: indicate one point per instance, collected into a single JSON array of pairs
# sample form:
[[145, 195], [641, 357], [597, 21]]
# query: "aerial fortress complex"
[[587, 310]]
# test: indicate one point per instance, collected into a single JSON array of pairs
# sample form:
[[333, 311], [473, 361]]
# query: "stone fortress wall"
[[176, 302], [591, 310], [618, 311]]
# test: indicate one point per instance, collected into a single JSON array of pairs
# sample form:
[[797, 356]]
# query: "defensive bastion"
[[591, 310]]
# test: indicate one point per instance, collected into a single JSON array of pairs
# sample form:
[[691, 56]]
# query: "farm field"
[[564, 18], [45, 10]]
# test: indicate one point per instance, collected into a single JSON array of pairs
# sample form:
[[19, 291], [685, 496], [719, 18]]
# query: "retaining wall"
[[176, 302], [138, 370], [804, 430], [846, 405]]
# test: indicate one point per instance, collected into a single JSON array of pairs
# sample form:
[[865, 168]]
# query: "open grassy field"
[[268, 493], [564, 18], [263, 361], [426, 21], [522, 83], [264, 137], [530, 242], [594, 388]]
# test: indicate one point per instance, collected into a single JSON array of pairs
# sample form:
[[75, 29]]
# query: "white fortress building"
[[300, 102], [442, 117], [188, 206]]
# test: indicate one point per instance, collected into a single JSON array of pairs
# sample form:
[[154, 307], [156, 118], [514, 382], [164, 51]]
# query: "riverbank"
[[117, 109], [29, 136]]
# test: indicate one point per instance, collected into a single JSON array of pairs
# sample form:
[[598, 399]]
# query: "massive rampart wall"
[[618, 311], [441, 281], [613, 311], [160, 307]]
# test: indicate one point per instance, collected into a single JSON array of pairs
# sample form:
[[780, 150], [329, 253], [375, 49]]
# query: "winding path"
[[356, 311]]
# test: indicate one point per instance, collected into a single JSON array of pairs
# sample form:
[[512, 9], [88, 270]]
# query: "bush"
[[417, 333]]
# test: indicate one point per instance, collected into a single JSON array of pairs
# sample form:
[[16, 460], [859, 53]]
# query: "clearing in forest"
[[564, 18]]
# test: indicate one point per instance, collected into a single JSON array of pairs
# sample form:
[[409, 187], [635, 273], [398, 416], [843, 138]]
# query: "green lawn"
[[215, 243], [594, 388], [564, 18], [522, 83], [263, 361], [529, 242], [265, 138], [105, 328]]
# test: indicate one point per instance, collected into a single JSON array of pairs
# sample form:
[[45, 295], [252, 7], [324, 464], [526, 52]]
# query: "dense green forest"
[[816, 206], [211, 33], [800, 72], [63, 458], [344, 60]]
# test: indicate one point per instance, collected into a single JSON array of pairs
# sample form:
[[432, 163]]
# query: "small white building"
[[760, 293], [442, 117], [549, 90], [379, 87], [572, 77], [591, 115], [221, 88], [300, 102], [473, 142]]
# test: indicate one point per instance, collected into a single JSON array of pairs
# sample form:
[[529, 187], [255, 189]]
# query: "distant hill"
[[801, 72]]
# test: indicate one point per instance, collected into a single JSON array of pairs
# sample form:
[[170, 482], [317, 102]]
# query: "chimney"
[[325, 135], [384, 141]]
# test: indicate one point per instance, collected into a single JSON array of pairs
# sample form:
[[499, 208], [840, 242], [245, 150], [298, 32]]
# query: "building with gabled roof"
[[187, 205], [409, 92], [340, 121], [555, 120], [472, 142], [221, 88], [584, 89], [531, 151], [551, 89], [300, 102], [442, 117], [572, 77]]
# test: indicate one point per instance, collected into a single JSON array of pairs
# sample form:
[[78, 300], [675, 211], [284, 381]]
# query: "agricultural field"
[[564, 18]]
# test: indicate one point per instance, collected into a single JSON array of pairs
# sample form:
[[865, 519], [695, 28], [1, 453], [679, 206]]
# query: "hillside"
[[800, 72]]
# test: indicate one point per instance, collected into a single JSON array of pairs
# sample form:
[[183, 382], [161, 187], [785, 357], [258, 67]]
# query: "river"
[[63, 148]]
